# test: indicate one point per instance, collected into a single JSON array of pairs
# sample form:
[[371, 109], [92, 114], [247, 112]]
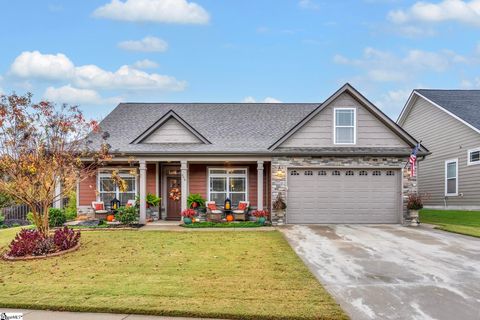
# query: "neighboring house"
[[341, 161], [448, 124]]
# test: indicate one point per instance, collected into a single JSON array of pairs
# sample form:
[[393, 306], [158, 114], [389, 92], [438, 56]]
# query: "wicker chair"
[[241, 212], [213, 212], [99, 209]]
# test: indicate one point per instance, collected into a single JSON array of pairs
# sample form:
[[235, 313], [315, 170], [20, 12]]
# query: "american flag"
[[413, 159]]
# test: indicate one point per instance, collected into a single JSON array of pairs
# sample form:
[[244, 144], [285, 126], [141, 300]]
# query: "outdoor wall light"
[[280, 173]]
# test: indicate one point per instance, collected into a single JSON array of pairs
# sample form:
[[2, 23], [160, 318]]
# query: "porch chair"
[[99, 209], [241, 212], [213, 212]]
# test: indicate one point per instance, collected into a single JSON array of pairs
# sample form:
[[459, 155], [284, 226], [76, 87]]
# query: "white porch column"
[[259, 185], [143, 192], [58, 191], [184, 176]]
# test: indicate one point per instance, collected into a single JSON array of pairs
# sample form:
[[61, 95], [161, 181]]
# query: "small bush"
[[30, 218], [71, 208], [414, 202], [66, 238], [127, 215], [2, 219], [43, 247], [188, 213], [25, 243], [56, 217]]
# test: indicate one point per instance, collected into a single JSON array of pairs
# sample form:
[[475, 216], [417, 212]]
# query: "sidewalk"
[[54, 315]]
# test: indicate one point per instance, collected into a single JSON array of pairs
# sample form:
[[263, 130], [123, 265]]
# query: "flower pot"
[[194, 205], [261, 220], [413, 215], [187, 221]]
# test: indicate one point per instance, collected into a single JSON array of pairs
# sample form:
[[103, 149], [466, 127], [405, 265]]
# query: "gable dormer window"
[[344, 126]]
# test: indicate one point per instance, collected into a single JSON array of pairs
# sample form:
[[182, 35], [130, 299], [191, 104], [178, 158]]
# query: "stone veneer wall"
[[282, 164]]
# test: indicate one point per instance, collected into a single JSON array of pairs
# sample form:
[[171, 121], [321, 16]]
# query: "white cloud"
[[71, 95], [384, 66], [160, 11], [33, 64], [251, 99], [147, 44], [411, 31], [58, 67], [308, 4], [145, 64], [470, 83], [447, 10]]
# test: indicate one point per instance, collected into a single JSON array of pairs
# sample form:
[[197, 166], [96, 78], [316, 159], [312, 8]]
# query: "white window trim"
[[245, 175], [335, 126], [105, 174], [456, 177], [469, 163]]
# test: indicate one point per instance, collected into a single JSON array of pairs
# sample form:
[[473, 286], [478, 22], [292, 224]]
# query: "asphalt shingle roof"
[[230, 127], [465, 104]]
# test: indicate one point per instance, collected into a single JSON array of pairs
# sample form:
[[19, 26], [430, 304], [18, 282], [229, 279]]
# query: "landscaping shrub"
[[56, 217], [44, 246], [30, 218], [415, 201], [66, 238], [2, 220], [127, 215], [71, 208], [25, 243]]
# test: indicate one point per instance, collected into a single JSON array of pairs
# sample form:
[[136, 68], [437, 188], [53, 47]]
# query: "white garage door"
[[343, 196]]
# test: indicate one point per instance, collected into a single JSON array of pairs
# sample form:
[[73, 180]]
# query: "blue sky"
[[97, 53]]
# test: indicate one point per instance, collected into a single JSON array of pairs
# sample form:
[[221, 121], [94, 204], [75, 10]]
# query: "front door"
[[174, 206]]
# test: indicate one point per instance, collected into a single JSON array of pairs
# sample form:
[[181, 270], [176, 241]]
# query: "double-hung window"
[[474, 156], [229, 183], [108, 189], [344, 123], [451, 177]]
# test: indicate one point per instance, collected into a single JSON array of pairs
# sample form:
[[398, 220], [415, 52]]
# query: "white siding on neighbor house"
[[370, 131], [171, 131], [446, 138]]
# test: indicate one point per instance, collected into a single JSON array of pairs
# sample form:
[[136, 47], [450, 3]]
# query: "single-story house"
[[340, 161], [448, 124]]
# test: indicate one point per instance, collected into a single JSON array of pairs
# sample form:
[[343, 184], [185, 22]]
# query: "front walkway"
[[393, 272], [54, 315]]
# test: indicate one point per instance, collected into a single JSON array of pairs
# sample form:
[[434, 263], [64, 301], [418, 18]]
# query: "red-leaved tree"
[[41, 146]]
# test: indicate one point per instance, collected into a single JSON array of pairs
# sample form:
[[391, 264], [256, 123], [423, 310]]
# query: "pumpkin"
[[229, 218], [110, 217]]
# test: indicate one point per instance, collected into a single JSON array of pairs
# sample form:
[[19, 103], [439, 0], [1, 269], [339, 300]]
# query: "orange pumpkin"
[[229, 218], [110, 217]]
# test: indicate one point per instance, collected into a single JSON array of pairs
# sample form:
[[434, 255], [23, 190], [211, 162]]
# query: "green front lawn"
[[463, 222], [240, 275]]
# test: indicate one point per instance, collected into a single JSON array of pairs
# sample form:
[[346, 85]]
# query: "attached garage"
[[339, 195]]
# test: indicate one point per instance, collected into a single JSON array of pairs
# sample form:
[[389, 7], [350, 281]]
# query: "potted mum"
[[261, 216], [188, 215], [414, 204]]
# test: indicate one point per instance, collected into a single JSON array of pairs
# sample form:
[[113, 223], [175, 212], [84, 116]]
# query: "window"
[[349, 173], [376, 173], [228, 183], [451, 177], [309, 173], [474, 156], [390, 173], [344, 121], [322, 173], [294, 173], [363, 173], [108, 189], [335, 173]]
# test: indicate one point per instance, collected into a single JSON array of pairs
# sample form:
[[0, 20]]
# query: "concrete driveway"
[[393, 272]]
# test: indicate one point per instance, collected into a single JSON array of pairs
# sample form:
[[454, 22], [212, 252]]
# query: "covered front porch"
[[175, 178]]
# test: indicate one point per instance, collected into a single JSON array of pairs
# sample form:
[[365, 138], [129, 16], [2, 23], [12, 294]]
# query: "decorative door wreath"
[[174, 194]]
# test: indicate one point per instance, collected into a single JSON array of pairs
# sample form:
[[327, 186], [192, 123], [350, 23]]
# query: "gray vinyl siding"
[[447, 138], [318, 132], [172, 131]]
